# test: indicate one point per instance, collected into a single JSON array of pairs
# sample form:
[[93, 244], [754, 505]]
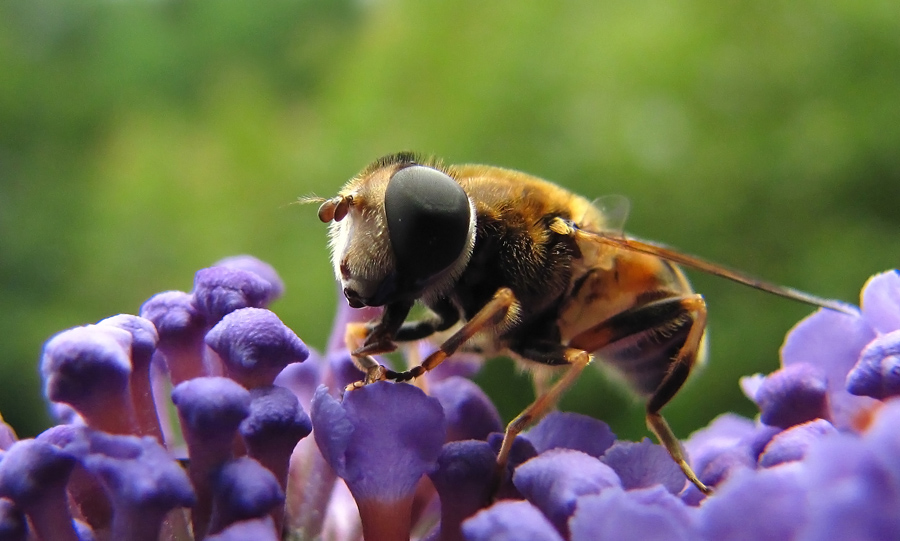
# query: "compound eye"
[[428, 217]]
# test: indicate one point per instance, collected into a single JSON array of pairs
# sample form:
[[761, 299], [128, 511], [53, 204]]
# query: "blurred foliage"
[[143, 140]]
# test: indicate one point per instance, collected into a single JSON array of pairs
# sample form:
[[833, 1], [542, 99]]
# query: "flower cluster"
[[190, 421]]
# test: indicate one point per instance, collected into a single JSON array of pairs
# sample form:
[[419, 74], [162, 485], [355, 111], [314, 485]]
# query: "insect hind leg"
[[674, 379], [640, 341]]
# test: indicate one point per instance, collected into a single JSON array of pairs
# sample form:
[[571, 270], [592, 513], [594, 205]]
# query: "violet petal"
[[143, 344], [510, 521], [259, 267], [877, 374], [716, 468], [793, 443], [850, 490], [644, 464], [755, 504], [793, 395], [144, 336], [831, 341], [219, 291], [83, 487], [174, 316], [13, 526], [255, 346], [243, 489], [275, 424], [259, 529], [723, 446], [181, 328], [464, 480], [555, 479], [33, 474], [881, 301], [210, 410], [884, 438], [469, 412], [142, 480], [381, 439], [89, 368], [571, 431], [636, 515]]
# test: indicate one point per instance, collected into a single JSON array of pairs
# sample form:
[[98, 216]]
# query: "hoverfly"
[[518, 266]]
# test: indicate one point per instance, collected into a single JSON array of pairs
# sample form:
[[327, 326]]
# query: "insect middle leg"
[[639, 341], [550, 354]]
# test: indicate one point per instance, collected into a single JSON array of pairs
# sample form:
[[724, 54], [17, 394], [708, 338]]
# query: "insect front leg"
[[491, 314], [367, 339], [655, 345], [380, 336]]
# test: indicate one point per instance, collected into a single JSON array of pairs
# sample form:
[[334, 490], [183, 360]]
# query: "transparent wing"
[[609, 218], [615, 209], [619, 240]]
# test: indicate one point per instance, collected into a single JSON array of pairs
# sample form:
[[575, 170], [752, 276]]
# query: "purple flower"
[[634, 515], [881, 301], [84, 488], [510, 521], [141, 479], [260, 529], [271, 432], [144, 339], [469, 412], [210, 410], [181, 329], [832, 342], [571, 431], [260, 268], [33, 476], [12, 522], [220, 290], [851, 492], [388, 461], [465, 481], [554, 480], [380, 440], [883, 437], [275, 424], [243, 489], [255, 346], [877, 374], [643, 465], [751, 505], [795, 394], [89, 368], [793, 443]]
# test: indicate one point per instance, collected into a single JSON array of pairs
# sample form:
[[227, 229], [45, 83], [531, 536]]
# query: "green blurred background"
[[143, 140]]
